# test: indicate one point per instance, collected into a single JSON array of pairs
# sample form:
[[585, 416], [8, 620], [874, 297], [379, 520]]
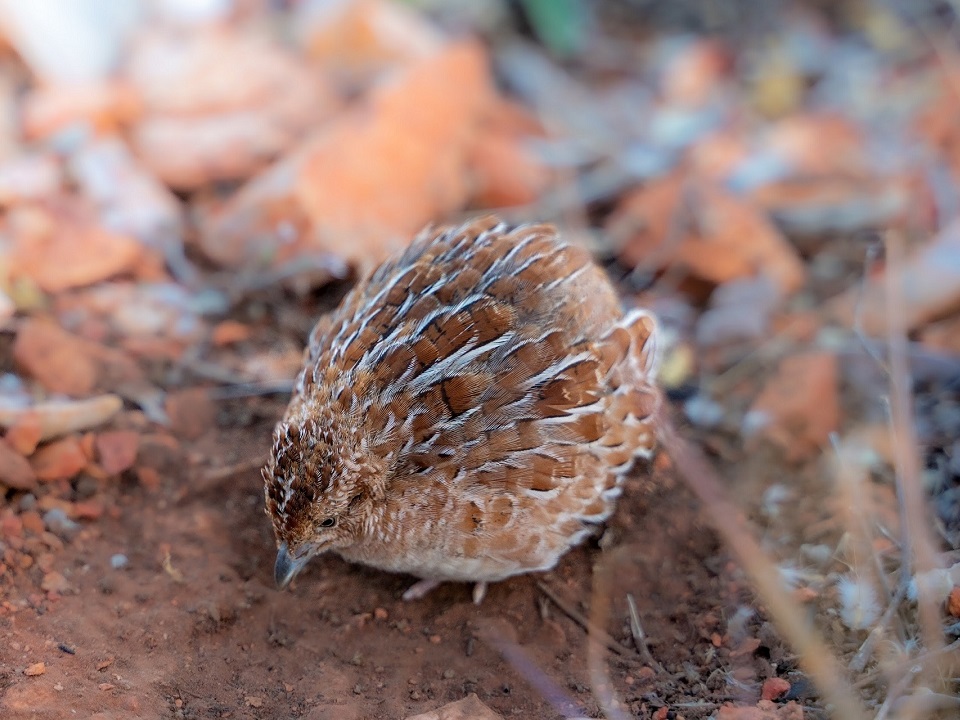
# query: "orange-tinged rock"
[[365, 183], [953, 602], [87, 510], [15, 470], [504, 172], [60, 361], [25, 434], [32, 522], [774, 688], [116, 450], [35, 669], [799, 406], [59, 460], [714, 234], [68, 249]]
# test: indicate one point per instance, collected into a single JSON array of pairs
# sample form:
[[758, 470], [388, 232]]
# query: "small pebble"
[[119, 561], [59, 524]]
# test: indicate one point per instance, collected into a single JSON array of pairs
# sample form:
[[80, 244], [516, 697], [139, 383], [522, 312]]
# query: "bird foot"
[[422, 587], [419, 589]]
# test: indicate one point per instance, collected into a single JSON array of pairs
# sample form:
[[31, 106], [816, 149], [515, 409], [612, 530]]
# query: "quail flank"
[[467, 413]]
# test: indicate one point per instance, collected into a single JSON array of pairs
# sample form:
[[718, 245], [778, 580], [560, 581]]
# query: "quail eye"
[[328, 522]]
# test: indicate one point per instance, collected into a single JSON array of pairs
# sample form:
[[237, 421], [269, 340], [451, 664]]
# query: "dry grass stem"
[[814, 656]]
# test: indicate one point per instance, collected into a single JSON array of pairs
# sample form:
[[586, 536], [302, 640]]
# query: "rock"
[[117, 450], [799, 406], [35, 669], [60, 361], [774, 688], [57, 522], [60, 460], [15, 471], [55, 582]]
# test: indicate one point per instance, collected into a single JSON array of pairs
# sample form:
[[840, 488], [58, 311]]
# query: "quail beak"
[[286, 567]]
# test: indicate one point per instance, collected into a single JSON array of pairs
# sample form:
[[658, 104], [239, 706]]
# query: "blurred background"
[[187, 185]]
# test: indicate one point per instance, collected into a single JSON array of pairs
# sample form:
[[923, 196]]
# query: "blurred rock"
[[165, 312], [60, 460], [61, 362], [15, 470], [704, 411], [67, 230], [220, 104], [799, 406], [363, 185], [129, 199], [117, 450], [57, 522], [739, 310]]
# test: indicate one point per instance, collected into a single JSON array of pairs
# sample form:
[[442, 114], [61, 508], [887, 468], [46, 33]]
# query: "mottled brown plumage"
[[467, 413]]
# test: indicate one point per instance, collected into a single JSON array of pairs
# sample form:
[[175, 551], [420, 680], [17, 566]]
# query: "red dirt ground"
[[207, 635]]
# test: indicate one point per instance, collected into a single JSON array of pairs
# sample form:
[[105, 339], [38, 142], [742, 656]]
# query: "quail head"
[[467, 413]]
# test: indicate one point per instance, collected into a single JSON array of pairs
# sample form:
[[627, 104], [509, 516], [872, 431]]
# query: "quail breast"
[[467, 413]]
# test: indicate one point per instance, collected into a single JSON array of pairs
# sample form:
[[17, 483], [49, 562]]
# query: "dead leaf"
[[35, 669]]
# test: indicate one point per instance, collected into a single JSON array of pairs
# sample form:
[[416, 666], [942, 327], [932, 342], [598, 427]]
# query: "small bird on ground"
[[467, 413]]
